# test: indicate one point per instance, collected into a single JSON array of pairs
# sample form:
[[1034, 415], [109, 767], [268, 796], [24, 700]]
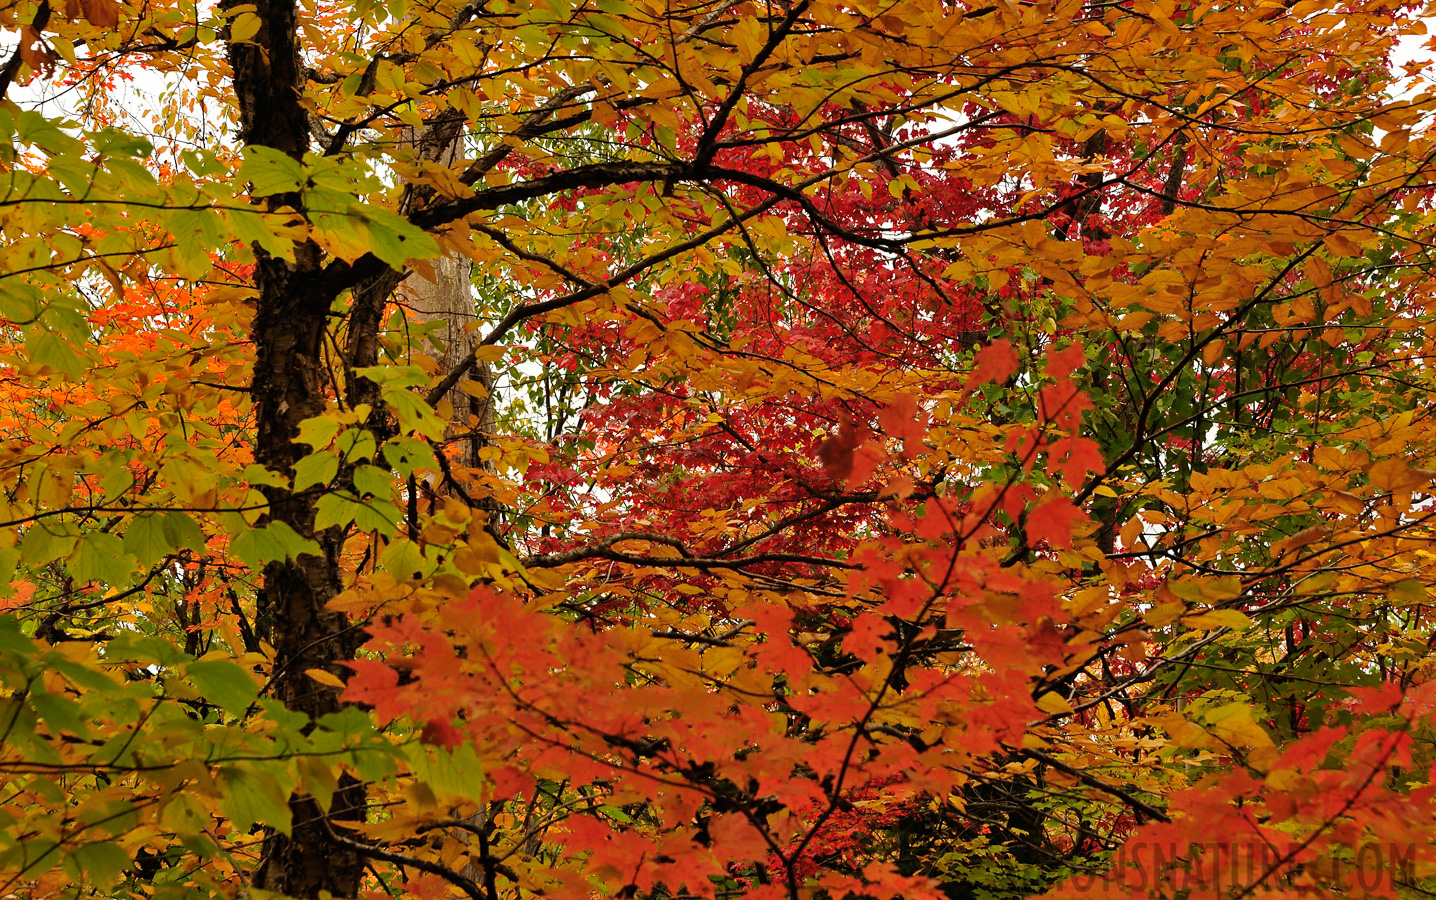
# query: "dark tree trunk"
[[289, 386]]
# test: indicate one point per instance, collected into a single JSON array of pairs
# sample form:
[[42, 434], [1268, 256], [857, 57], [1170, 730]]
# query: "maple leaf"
[[849, 456], [1074, 458], [1052, 521], [904, 419], [994, 362], [1063, 362], [868, 636], [440, 733]]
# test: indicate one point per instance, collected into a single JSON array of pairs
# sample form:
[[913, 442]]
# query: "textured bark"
[[289, 386], [268, 79], [1089, 202], [1173, 187], [448, 301], [287, 389]]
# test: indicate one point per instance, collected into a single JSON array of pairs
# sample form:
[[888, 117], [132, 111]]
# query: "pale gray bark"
[[447, 299]]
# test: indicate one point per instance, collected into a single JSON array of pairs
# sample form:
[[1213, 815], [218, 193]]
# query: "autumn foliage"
[[912, 450]]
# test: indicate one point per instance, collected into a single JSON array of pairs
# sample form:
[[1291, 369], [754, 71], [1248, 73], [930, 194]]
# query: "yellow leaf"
[[1396, 475], [1303, 538], [1341, 245], [1234, 724], [244, 27], [1220, 618], [1165, 613], [1408, 591], [1054, 704], [324, 677]]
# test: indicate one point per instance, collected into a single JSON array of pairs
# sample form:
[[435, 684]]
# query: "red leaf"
[[34, 52], [995, 362], [1074, 457], [847, 457], [439, 733], [903, 418], [1052, 520], [1061, 363], [1385, 696], [1061, 402], [867, 639]]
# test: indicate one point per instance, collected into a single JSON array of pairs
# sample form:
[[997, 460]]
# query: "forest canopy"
[[826, 449]]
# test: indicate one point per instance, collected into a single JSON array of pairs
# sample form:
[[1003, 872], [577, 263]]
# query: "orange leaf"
[[1052, 521], [903, 418], [847, 456], [34, 52], [1061, 363], [996, 362], [104, 13], [1396, 475]]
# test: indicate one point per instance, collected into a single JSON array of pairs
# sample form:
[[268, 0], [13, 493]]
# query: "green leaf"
[[196, 233], [9, 558], [47, 541], [319, 431], [224, 683], [270, 171], [19, 303], [145, 539], [256, 475], [316, 468], [394, 376], [252, 227], [185, 816], [36, 130], [317, 779], [336, 510], [406, 454], [33, 857], [372, 480], [91, 679], [100, 556], [1408, 591], [102, 863], [59, 713], [394, 239], [116, 480], [133, 647], [356, 444], [458, 771], [414, 414], [378, 515], [403, 561], [112, 142], [253, 796], [48, 349], [275, 541], [182, 531]]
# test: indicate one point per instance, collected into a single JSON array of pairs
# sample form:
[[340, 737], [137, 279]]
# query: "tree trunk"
[[448, 299], [292, 312], [288, 388], [290, 385]]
